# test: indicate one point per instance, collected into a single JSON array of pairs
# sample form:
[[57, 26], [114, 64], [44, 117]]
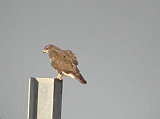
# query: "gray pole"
[[44, 98]]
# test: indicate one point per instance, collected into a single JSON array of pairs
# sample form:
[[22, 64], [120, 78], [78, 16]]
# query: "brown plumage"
[[65, 62]]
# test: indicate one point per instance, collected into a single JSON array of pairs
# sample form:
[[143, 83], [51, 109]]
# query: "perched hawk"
[[65, 62]]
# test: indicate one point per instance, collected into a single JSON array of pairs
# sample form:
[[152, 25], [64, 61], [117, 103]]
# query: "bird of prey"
[[65, 62]]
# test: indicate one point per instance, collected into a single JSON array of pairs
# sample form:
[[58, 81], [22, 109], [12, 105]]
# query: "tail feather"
[[81, 79]]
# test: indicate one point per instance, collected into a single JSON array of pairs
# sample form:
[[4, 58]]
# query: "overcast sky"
[[117, 44]]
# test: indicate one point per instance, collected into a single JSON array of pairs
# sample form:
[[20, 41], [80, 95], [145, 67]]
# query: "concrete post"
[[44, 98]]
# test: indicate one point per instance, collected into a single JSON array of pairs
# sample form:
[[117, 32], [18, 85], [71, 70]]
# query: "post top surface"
[[44, 79]]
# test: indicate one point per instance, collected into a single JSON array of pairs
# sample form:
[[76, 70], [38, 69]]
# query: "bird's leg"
[[59, 77]]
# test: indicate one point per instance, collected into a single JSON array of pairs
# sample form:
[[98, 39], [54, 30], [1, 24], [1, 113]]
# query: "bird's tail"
[[81, 79]]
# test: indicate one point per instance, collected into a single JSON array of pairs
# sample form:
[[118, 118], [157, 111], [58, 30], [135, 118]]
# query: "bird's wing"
[[62, 61], [72, 56]]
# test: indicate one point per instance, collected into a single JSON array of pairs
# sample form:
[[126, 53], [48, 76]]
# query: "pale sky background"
[[117, 43]]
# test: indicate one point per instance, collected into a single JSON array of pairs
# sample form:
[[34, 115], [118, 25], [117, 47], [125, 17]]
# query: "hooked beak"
[[44, 51]]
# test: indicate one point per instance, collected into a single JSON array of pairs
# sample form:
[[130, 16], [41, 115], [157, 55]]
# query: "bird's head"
[[49, 48]]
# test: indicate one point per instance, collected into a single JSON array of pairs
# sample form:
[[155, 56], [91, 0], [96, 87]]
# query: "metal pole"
[[44, 98]]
